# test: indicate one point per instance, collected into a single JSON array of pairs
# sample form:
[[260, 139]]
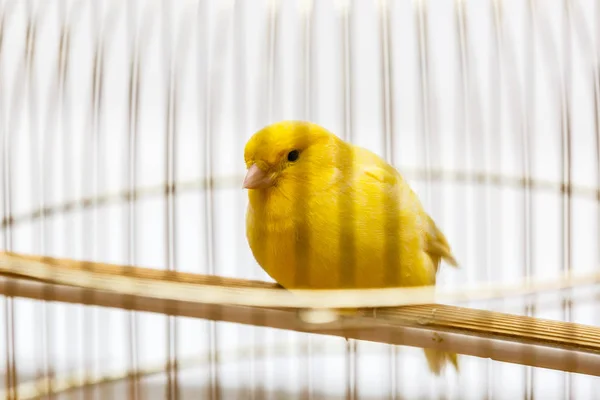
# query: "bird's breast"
[[288, 242], [316, 245]]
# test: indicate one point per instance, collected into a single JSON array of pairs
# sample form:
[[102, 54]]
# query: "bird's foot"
[[317, 316]]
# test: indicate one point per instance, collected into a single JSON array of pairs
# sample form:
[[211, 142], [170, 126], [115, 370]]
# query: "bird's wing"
[[435, 243], [374, 167]]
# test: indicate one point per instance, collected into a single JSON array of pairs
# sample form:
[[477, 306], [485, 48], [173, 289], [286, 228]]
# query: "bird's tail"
[[438, 359], [436, 245]]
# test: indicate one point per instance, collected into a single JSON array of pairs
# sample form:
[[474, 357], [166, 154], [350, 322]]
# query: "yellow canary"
[[326, 214]]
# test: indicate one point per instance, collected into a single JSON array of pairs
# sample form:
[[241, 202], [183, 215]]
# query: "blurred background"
[[489, 108]]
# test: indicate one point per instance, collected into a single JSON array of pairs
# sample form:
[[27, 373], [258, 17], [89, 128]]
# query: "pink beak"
[[256, 178]]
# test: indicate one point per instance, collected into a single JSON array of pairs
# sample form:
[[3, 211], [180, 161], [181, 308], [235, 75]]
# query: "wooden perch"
[[502, 337]]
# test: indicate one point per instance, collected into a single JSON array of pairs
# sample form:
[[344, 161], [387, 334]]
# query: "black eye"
[[293, 155]]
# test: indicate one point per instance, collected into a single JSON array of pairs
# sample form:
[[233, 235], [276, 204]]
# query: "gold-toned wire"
[[52, 386]]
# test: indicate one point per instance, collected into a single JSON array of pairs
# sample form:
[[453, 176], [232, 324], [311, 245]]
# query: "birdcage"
[[126, 272]]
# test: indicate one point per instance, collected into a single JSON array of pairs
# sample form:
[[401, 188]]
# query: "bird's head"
[[286, 151]]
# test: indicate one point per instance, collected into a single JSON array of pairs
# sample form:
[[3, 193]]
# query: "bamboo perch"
[[510, 338], [215, 290]]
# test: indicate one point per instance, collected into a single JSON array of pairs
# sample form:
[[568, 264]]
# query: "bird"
[[324, 213]]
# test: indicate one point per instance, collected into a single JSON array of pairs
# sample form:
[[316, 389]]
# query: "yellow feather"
[[337, 217]]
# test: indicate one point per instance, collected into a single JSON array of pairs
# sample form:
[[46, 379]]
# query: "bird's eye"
[[293, 155]]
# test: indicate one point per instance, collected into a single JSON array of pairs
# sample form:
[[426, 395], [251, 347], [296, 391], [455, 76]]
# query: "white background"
[[218, 65]]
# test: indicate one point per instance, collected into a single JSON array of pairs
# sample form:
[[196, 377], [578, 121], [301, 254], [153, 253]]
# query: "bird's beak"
[[256, 178]]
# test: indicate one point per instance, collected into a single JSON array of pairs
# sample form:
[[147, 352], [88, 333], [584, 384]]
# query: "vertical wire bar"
[[9, 306], [35, 179], [421, 16], [170, 83], [486, 150], [59, 105], [464, 127], [216, 66], [558, 81], [18, 97], [239, 88], [596, 72], [312, 110], [391, 224], [387, 87], [422, 30], [131, 173], [347, 273], [524, 126], [307, 107], [66, 170], [6, 222], [521, 141], [272, 34], [90, 185], [100, 210], [300, 191], [305, 92], [90, 189], [427, 97], [209, 216], [213, 103], [474, 149], [265, 115], [347, 70], [495, 145], [465, 130], [527, 130], [301, 198], [203, 55], [47, 184], [566, 170], [387, 116]]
